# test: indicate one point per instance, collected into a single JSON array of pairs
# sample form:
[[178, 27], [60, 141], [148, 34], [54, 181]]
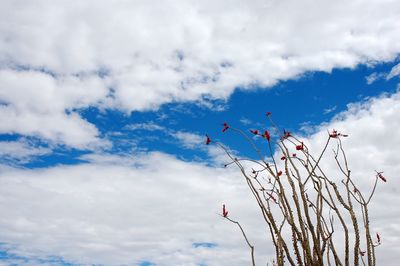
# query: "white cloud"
[[152, 207], [394, 72], [196, 142], [245, 121], [374, 77], [37, 104], [154, 53], [189, 140], [150, 126], [20, 151], [330, 109]]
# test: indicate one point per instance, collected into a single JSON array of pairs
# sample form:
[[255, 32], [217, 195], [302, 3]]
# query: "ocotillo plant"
[[327, 217]]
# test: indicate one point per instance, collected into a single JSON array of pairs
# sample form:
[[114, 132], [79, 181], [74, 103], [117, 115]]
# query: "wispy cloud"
[[245, 121], [21, 151], [149, 126], [204, 245], [189, 140], [330, 109], [394, 72], [374, 77]]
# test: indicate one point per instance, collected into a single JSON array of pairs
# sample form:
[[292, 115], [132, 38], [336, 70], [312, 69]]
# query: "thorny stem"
[[245, 237]]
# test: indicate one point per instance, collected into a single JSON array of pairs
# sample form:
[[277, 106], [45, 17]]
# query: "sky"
[[104, 108]]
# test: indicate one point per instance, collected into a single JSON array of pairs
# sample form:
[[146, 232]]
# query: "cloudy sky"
[[104, 107]]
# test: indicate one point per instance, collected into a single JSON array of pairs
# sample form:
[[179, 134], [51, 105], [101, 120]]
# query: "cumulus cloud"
[[150, 53], [37, 104], [153, 207]]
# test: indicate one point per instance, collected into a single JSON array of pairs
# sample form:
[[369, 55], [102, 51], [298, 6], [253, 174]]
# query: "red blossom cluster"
[[255, 131], [226, 127], [379, 174], [334, 134], [224, 211], [300, 147], [266, 135], [208, 140]]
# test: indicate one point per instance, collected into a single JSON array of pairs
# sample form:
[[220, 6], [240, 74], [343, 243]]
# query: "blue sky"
[[298, 105], [103, 121]]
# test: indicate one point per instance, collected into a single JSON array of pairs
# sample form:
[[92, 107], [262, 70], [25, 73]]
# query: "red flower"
[[334, 134], [224, 211], [255, 132], [279, 173], [208, 140], [300, 147], [378, 237], [268, 113], [286, 134], [379, 174], [294, 155], [266, 135], [226, 126], [283, 158]]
